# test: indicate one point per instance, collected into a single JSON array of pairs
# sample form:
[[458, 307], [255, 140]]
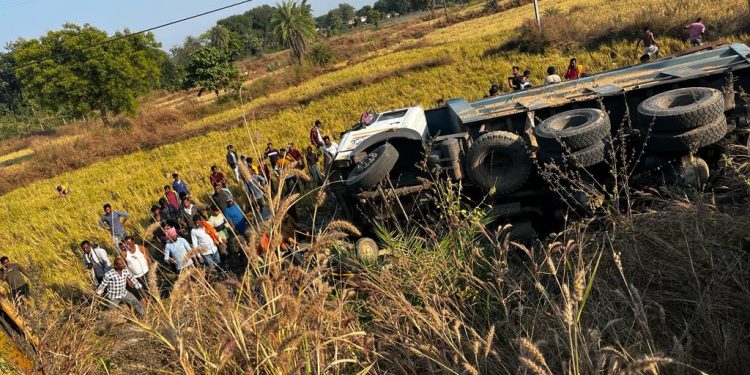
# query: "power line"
[[137, 33]]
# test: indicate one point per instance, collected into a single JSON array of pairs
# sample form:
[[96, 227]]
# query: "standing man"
[[236, 217], [96, 260], [138, 260], [312, 165], [113, 221], [695, 33], [232, 161], [271, 154], [220, 197], [201, 239], [187, 211], [176, 251], [115, 283], [180, 186], [13, 274], [514, 81], [171, 196], [574, 71], [650, 47], [219, 223], [316, 138], [552, 77], [169, 213], [217, 177], [296, 155]]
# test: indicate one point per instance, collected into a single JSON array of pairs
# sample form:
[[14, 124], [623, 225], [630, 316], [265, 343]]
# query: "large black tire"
[[499, 161], [681, 109], [373, 168], [584, 158], [687, 141], [573, 130]]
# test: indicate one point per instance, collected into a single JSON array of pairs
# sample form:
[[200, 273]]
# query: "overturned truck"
[[669, 118]]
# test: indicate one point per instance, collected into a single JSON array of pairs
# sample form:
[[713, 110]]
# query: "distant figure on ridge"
[[552, 76], [574, 70], [514, 81], [650, 47], [695, 33]]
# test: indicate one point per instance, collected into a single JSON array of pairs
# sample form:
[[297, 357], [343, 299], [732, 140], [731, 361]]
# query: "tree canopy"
[[73, 70], [210, 69], [294, 27]]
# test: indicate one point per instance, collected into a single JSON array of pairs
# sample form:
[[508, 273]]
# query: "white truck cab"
[[410, 122]]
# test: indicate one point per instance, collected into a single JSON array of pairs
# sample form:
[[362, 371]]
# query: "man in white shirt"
[[203, 240], [96, 260], [552, 77]]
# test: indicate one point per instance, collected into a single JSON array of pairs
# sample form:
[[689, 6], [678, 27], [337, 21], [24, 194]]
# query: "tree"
[[294, 27], [346, 12], [74, 70], [375, 17], [210, 69], [225, 40], [364, 11]]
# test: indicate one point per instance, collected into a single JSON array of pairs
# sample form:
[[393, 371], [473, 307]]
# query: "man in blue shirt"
[[176, 251], [113, 222], [180, 186], [235, 216]]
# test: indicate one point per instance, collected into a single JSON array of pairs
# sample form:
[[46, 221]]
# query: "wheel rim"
[[497, 164], [365, 163], [679, 101], [570, 122]]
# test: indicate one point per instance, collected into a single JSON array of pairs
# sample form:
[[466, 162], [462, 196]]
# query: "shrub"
[[321, 54]]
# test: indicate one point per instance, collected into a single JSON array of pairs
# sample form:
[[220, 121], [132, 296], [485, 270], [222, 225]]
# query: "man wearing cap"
[[232, 161], [176, 251]]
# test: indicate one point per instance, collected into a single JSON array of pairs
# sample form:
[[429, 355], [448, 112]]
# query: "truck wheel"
[[575, 129], [373, 168], [499, 161], [584, 158], [687, 141], [681, 109]]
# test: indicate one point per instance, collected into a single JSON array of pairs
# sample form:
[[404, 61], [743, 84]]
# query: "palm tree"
[[294, 26]]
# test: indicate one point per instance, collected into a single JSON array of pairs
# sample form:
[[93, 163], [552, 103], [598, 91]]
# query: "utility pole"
[[536, 14]]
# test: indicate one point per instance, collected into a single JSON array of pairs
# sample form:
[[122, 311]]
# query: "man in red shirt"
[[171, 196], [296, 155], [316, 138], [217, 177]]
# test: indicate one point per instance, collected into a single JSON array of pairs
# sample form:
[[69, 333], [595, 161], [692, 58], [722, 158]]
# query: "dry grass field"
[[665, 288]]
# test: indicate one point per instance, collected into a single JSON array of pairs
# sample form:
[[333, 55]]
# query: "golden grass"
[[45, 227]]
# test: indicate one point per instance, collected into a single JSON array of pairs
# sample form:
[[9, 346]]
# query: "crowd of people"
[[190, 234]]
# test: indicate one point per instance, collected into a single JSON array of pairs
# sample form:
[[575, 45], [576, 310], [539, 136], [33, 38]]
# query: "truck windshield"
[[392, 115]]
